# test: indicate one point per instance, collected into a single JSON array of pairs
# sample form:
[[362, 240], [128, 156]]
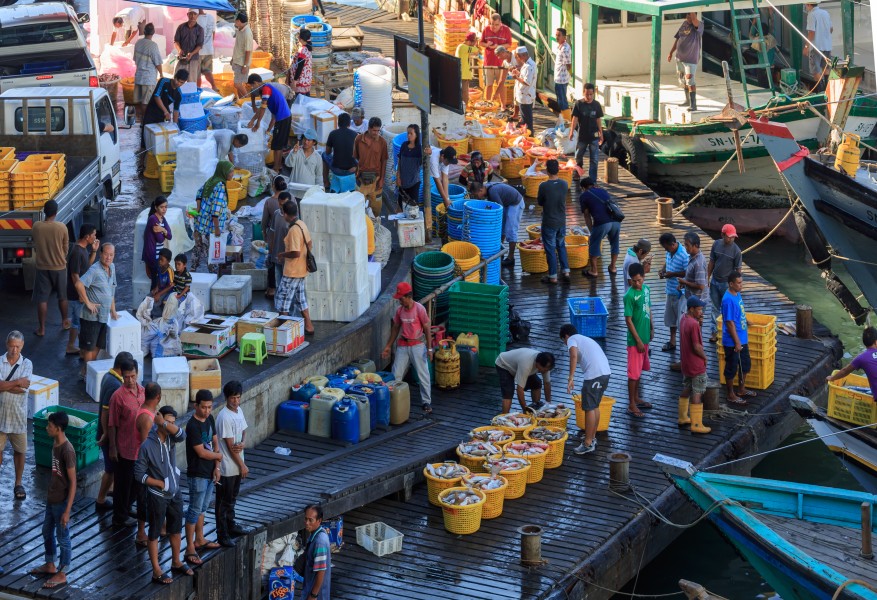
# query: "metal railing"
[[429, 300]]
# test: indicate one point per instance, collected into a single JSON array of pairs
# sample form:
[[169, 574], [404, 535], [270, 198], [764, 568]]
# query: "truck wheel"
[[634, 158]]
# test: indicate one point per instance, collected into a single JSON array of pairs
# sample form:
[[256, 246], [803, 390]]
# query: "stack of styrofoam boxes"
[[42, 392], [178, 244], [200, 288], [172, 374], [123, 335], [339, 290], [95, 371], [374, 280]]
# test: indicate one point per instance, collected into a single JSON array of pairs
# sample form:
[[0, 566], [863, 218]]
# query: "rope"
[[851, 582], [641, 500], [772, 231]]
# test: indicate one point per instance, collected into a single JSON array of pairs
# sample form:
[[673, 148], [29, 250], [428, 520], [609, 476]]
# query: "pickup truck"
[[42, 44], [82, 127]]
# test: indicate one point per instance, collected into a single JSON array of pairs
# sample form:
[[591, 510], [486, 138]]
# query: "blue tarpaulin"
[[223, 5]]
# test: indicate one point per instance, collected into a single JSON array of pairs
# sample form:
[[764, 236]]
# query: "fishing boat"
[[622, 46], [804, 540]]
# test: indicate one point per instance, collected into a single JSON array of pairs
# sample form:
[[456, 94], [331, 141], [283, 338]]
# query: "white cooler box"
[[42, 392], [321, 279], [94, 374], [201, 284], [172, 374], [231, 294], [374, 279], [411, 232], [347, 307], [350, 249], [320, 305], [123, 334], [349, 277]]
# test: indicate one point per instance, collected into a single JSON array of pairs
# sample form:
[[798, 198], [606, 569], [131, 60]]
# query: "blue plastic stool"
[[342, 183], [253, 348]]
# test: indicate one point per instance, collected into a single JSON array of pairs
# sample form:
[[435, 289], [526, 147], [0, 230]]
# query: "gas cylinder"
[[848, 155], [302, 392], [400, 402], [345, 420], [447, 365], [318, 380], [468, 339], [364, 411], [292, 415], [320, 415], [468, 364]]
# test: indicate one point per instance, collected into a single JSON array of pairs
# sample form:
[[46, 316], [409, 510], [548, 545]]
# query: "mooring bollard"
[[611, 170], [665, 211], [803, 321], [619, 471], [867, 550], [711, 397], [531, 545]]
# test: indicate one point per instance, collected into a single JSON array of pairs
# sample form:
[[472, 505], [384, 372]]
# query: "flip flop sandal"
[[737, 402], [644, 405], [40, 572], [668, 347], [427, 409], [183, 569], [636, 414], [611, 272], [589, 275], [19, 492], [748, 394], [208, 546], [141, 543], [163, 579], [193, 559], [51, 585]]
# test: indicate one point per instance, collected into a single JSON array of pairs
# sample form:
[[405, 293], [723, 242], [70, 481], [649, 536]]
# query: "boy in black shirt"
[[587, 114], [202, 458]]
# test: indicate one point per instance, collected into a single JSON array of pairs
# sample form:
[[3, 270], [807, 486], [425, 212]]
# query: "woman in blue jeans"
[[593, 204], [552, 198]]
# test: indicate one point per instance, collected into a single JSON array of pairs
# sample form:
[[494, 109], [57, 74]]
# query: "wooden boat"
[[804, 540]]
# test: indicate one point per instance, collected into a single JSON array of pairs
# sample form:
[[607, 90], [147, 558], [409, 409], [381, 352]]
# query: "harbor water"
[[700, 554]]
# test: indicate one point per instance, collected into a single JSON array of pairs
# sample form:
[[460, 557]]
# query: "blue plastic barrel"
[[382, 399], [387, 376], [292, 415], [345, 421], [339, 381], [302, 392], [364, 408]]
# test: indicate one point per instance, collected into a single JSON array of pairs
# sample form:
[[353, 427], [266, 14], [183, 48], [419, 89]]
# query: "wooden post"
[[665, 211], [611, 170], [867, 550], [848, 25], [804, 321], [796, 16], [590, 47], [657, 55]]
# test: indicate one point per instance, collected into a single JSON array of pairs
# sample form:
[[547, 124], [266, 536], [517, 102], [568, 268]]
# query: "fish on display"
[[546, 434], [514, 420], [462, 498], [474, 448], [526, 448], [484, 482], [447, 470], [491, 435]]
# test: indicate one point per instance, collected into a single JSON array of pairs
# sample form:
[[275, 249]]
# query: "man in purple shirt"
[[687, 46], [866, 361]]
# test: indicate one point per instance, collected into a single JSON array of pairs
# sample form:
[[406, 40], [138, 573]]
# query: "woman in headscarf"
[[212, 204], [409, 169], [477, 171], [156, 232]]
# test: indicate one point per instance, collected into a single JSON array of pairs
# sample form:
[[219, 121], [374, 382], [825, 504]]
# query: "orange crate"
[[6, 166], [36, 171], [60, 159], [7, 152]]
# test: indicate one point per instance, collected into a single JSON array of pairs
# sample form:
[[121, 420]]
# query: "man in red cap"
[[725, 258], [412, 322], [466, 52]]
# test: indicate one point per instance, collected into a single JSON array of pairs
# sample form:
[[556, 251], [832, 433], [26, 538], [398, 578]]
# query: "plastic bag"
[[345, 99], [117, 60], [216, 250], [170, 343]]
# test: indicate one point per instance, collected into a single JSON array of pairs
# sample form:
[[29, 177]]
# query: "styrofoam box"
[[201, 284], [231, 294], [411, 233], [346, 278], [158, 137], [344, 214], [374, 279], [171, 372], [257, 141], [138, 358], [123, 334], [347, 307], [94, 374], [322, 246], [140, 288], [320, 305], [321, 280], [350, 249], [179, 399], [313, 210], [42, 392]]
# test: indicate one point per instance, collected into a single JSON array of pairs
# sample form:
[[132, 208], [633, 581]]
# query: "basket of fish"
[[515, 471], [462, 508], [441, 476], [534, 451], [498, 436], [517, 422], [494, 487], [473, 453], [555, 437], [553, 415]]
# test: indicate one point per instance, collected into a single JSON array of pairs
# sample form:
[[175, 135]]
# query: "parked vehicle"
[[82, 127]]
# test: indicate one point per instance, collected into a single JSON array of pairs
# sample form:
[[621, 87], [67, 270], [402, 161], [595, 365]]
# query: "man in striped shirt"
[[318, 563]]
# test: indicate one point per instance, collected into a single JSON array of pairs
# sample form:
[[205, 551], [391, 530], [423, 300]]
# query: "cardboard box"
[[254, 322], [211, 336], [205, 374], [42, 392], [284, 334]]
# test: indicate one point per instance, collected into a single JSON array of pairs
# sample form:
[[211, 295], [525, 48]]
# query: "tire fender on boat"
[[637, 160]]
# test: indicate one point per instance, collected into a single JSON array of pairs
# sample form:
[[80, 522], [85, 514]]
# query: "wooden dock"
[[594, 540]]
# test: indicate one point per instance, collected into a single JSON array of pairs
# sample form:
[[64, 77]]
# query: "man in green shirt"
[[640, 329]]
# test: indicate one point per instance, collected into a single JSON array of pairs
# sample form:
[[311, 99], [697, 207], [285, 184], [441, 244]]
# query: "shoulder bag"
[[311, 261], [612, 208]]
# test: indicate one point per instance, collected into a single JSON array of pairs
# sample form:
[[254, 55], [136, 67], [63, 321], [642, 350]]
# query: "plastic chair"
[[341, 183], [253, 348]]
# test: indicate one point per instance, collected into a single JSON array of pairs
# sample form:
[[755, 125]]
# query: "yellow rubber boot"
[[697, 425], [683, 420]]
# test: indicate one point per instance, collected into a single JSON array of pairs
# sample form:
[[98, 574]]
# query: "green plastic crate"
[[487, 354], [462, 323], [479, 294], [78, 436], [43, 454]]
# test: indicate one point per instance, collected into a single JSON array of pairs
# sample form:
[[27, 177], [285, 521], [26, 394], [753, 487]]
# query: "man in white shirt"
[[359, 124], [15, 376], [231, 426], [590, 358], [127, 24], [525, 85], [440, 162], [819, 30], [519, 371], [208, 24]]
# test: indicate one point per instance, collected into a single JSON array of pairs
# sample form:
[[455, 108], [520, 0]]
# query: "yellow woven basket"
[[531, 182], [502, 443], [555, 448], [517, 480], [519, 431], [236, 193], [461, 146], [537, 464], [127, 84], [534, 231], [577, 251], [462, 520], [565, 173], [555, 421], [261, 60], [475, 464], [510, 168], [494, 499], [533, 261], [487, 146], [150, 171], [466, 256], [434, 485]]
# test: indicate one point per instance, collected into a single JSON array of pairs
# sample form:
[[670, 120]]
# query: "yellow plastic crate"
[[760, 327], [37, 171], [849, 405], [759, 378], [757, 351], [6, 166], [7, 153], [167, 163]]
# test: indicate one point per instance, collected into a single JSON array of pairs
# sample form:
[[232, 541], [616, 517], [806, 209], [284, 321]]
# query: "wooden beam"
[[655, 83], [796, 16], [590, 45], [848, 23]]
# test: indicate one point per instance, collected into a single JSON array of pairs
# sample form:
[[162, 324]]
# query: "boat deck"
[[834, 546]]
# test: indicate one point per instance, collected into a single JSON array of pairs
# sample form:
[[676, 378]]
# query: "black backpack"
[[518, 327]]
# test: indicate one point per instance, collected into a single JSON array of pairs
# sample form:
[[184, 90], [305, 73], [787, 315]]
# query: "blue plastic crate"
[[589, 316]]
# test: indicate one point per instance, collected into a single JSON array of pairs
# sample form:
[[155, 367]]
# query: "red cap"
[[729, 230], [403, 289], [470, 37]]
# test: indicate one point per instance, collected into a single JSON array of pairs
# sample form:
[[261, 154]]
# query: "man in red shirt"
[[125, 404], [494, 35], [693, 360], [412, 321]]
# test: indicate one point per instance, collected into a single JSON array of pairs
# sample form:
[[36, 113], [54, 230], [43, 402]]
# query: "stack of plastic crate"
[[7, 163], [33, 182], [450, 30], [81, 432], [482, 309], [762, 351]]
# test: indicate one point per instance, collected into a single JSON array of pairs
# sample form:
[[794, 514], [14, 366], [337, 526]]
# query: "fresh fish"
[[447, 470], [508, 463], [526, 448], [552, 411], [491, 435], [483, 482], [514, 420], [546, 434], [478, 449], [461, 498]]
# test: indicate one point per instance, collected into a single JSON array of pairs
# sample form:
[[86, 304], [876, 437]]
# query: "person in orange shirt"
[[290, 297]]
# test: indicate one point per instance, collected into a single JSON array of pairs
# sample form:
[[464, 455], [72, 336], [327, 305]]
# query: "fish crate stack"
[[339, 289], [482, 309], [450, 29], [34, 179], [192, 115], [762, 351]]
